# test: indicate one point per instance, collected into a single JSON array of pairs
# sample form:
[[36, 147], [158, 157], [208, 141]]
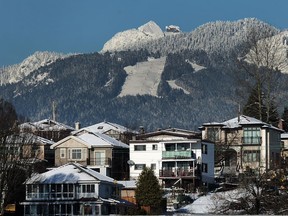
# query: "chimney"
[[141, 130], [280, 124], [77, 126]]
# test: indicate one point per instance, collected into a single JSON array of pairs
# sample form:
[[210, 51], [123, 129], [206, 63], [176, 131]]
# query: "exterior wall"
[[95, 162], [208, 158], [70, 144], [147, 157], [269, 147]]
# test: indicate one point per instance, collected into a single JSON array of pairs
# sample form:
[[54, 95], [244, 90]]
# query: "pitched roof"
[[172, 132], [69, 173], [93, 139], [46, 125], [28, 138], [105, 126], [240, 121]]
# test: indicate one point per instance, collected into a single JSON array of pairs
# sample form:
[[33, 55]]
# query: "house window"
[[154, 147], [140, 166], [62, 153], [204, 149], [213, 134], [251, 156], [204, 167], [153, 166], [88, 188], [251, 135], [76, 154], [100, 158], [67, 190], [139, 147]]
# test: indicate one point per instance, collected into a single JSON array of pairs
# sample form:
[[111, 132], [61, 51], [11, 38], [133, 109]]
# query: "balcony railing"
[[177, 154], [177, 173], [100, 161], [251, 140]]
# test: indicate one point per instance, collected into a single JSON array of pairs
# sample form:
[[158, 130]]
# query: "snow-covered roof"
[[71, 173], [171, 132], [98, 139], [46, 125], [284, 136], [93, 139], [131, 184], [28, 138], [240, 121], [105, 126]]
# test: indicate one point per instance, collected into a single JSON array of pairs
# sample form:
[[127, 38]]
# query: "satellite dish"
[[131, 162]]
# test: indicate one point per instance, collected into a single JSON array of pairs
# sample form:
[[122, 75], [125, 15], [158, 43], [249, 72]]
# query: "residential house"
[[95, 150], [114, 130], [72, 189], [244, 144], [48, 129], [28, 148], [178, 157]]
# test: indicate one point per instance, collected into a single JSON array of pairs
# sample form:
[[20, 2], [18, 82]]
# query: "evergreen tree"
[[148, 191]]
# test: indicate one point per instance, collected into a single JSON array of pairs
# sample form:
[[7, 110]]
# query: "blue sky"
[[83, 26]]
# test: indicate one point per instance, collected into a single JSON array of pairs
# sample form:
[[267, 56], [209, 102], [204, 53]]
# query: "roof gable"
[[71, 173], [47, 125], [91, 139]]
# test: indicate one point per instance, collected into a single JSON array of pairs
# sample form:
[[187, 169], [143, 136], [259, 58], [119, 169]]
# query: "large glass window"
[[213, 134], [251, 156], [251, 135], [204, 149]]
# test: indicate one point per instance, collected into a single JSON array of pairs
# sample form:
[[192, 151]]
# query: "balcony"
[[178, 154], [101, 162], [180, 172]]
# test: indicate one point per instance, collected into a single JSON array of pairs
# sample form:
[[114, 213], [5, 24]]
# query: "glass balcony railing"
[[177, 154]]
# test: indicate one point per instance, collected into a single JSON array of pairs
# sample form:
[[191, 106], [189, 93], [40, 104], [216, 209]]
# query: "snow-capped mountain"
[[158, 79], [126, 39], [17, 72]]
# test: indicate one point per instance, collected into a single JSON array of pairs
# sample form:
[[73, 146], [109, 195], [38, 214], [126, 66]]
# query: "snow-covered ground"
[[207, 204], [143, 78]]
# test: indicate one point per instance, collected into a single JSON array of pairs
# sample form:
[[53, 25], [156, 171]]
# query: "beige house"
[[244, 144], [96, 151], [113, 130]]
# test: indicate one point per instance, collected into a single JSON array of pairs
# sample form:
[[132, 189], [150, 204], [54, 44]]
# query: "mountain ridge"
[[198, 82]]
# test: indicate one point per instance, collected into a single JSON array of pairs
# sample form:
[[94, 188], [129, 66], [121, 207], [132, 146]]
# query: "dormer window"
[[100, 127]]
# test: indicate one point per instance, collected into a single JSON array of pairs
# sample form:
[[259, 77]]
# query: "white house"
[[176, 156], [72, 189]]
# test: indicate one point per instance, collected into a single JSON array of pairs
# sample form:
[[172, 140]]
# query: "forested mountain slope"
[[199, 82]]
